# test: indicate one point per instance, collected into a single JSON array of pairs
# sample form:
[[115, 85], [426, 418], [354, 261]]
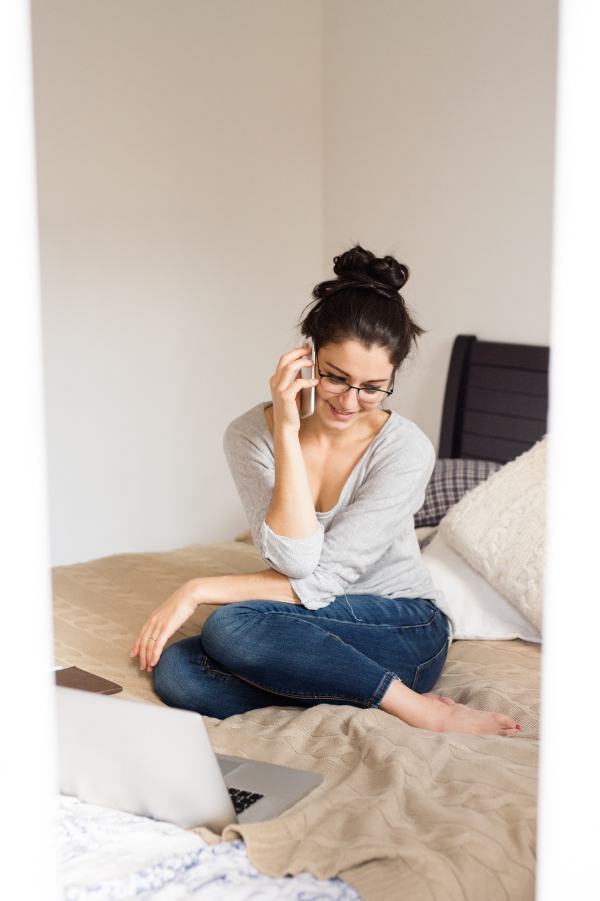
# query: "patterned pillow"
[[449, 481]]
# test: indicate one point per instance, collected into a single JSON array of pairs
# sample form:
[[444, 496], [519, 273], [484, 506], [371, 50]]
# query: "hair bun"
[[362, 267], [363, 303]]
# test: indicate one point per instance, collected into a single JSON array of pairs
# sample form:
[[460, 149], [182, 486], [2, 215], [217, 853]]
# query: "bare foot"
[[439, 714], [430, 694], [460, 718]]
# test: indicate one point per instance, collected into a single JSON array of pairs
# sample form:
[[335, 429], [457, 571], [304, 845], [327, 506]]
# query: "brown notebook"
[[73, 677]]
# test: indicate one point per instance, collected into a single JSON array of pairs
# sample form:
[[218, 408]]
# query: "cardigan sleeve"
[[252, 466]]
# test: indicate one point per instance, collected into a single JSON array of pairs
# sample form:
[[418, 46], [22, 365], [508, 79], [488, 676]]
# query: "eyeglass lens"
[[338, 386]]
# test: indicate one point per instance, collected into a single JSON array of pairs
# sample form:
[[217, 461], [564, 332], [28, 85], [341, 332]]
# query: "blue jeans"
[[260, 653]]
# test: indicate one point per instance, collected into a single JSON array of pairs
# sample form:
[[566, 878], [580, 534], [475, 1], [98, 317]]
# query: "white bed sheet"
[[108, 855]]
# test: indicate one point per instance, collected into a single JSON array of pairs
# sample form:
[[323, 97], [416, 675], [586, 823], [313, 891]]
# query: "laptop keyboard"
[[242, 800]]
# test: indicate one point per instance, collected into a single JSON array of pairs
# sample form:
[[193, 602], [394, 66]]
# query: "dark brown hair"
[[363, 304]]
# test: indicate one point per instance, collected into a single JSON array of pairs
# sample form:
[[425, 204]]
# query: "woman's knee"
[[171, 673], [226, 632]]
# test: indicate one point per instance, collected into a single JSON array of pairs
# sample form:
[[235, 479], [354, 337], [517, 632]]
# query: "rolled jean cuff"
[[382, 688]]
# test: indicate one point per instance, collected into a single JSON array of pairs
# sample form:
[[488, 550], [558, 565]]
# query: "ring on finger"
[[152, 639]]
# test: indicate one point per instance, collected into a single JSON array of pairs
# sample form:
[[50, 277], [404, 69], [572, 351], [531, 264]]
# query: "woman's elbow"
[[293, 569]]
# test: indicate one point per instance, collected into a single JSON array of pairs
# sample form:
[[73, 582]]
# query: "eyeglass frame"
[[358, 390]]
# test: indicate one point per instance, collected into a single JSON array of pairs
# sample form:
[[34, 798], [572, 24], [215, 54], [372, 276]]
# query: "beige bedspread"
[[402, 813]]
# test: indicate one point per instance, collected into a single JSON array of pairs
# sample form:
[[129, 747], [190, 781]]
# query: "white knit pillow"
[[474, 608], [499, 528]]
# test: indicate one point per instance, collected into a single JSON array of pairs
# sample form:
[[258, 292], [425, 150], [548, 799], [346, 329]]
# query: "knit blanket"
[[402, 813]]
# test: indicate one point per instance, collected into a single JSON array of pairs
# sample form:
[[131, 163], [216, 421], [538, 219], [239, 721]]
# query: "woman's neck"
[[366, 428]]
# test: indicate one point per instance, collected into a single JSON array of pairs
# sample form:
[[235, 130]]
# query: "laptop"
[[158, 762]]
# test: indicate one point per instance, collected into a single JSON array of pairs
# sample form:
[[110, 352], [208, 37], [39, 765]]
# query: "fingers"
[[148, 655], [143, 654], [295, 354], [291, 391], [153, 638], [146, 652], [286, 397], [292, 362], [163, 623], [155, 649], [289, 374], [144, 644], [286, 385]]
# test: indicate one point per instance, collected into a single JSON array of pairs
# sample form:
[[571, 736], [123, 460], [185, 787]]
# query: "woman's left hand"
[[163, 623]]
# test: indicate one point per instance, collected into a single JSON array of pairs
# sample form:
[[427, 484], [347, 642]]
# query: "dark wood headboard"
[[496, 402]]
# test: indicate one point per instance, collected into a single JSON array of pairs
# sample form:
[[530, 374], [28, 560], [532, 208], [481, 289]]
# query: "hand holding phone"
[[307, 395], [293, 395]]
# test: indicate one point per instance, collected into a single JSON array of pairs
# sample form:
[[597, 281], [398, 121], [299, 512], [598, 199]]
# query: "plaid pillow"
[[449, 480]]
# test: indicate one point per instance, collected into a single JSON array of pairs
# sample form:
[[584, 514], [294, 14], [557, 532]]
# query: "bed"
[[401, 813], [496, 401]]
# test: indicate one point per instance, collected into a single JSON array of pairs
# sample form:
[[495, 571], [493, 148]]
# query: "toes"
[[507, 725], [505, 721]]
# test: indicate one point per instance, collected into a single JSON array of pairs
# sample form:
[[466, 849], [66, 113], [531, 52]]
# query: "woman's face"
[[358, 366]]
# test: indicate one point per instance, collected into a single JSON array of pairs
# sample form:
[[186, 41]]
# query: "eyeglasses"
[[336, 385]]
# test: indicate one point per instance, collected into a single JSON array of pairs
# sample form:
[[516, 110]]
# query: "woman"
[[346, 614]]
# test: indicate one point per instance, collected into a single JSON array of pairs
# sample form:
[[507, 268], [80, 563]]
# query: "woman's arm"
[[267, 585], [249, 449], [291, 515], [292, 511]]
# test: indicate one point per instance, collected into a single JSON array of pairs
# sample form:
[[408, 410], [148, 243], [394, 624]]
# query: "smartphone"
[[307, 395]]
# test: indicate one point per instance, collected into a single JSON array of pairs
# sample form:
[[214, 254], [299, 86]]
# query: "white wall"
[[201, 161], [180, 184], [439, 128]]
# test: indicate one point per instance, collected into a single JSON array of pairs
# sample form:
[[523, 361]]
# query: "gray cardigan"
[[367, 543]]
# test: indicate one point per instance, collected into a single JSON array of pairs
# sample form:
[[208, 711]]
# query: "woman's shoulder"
[[251, 426], [401, 439]]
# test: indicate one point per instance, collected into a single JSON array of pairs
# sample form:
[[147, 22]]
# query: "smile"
[[342, 413]]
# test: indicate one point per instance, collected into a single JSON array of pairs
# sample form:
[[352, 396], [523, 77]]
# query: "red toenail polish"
[[518, 727]]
